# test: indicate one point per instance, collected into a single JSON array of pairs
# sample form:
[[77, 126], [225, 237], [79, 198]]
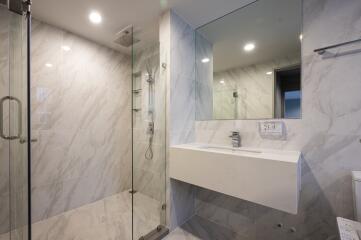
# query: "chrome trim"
[[321, 51], [2, 134]]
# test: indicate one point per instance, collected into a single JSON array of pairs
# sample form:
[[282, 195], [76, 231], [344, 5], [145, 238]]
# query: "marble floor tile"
[[111, 219], [198, 228], [106, 219]]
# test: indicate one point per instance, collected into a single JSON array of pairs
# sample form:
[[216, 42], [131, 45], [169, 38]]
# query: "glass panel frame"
[[19, 147], [14, 60]]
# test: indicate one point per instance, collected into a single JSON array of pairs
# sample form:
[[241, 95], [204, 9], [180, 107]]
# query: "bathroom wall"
[[328, 135], [81, 118], [177, 56], [254, 87], [204, 78]]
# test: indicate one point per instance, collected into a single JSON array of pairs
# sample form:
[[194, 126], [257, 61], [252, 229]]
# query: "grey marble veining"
[[198, 228], [204, 78], [328, 135], [109, 218], [81, 121], [177, 54], [182, 84]]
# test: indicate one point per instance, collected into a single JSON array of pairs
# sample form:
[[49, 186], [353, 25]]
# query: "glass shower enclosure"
[[149, 141], [14, 134], [124, 182]]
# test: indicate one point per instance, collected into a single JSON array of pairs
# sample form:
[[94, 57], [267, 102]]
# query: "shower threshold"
[[159, 233]]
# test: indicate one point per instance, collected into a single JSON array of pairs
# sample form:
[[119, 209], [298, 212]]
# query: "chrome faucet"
[[236, 139]]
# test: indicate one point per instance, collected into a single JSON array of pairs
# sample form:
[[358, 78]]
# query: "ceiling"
[[72, 15], [274, 26]]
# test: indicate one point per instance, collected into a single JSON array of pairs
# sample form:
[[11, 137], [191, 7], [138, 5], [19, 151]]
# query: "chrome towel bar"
[[321, 51]]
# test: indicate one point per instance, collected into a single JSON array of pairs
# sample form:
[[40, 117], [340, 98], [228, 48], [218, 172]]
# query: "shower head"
[[125, 37]]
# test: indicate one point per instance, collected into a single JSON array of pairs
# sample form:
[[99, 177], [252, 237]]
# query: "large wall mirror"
[[248, 63]]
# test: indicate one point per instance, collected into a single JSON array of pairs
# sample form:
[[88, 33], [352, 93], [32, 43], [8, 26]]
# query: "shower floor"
[[111, 219], [106, 219]]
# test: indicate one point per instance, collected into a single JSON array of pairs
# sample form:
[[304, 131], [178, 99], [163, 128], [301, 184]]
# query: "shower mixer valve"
[[150, 129]]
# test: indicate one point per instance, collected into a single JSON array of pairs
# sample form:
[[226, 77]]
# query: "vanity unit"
[[267, 177]]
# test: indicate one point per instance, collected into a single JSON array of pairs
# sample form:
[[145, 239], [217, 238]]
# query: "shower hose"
[[149, 151]]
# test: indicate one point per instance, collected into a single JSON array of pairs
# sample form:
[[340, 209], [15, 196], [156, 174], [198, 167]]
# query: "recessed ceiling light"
[[249, 47], [269, 73], [205, 60], [221, 82], [95, 17], [49, 65], [66, 48]]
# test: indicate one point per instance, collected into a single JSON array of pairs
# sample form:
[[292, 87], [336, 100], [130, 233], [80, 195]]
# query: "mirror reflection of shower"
[[235, 100]]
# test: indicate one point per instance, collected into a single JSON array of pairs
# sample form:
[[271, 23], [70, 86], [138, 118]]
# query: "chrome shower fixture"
[[150, 132], [150, 79], [150, 129]]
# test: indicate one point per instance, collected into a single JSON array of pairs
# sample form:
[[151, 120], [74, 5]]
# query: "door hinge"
[[27, 6]]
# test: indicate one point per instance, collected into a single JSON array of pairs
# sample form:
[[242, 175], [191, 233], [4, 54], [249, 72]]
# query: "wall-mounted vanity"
[[248, 66], [263, 176]]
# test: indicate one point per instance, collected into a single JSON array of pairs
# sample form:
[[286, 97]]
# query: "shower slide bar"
[[321, 51]]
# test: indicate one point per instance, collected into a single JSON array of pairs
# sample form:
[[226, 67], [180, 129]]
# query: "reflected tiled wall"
[[81, 117], [328, 135], [204, 78], [254, 87]]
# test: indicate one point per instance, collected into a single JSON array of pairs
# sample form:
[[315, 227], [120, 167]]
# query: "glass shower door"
[[149, 140], [14, 213]]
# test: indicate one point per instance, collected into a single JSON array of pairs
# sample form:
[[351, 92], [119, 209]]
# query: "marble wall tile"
[[177, 54], [204, 78], [182, 85], [328, 135], [79, 104]]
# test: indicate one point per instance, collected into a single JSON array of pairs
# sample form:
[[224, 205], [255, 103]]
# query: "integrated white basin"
[[227, 149], [264, 176]]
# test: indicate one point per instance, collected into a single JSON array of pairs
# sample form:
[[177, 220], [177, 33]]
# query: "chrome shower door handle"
[[2, 134]]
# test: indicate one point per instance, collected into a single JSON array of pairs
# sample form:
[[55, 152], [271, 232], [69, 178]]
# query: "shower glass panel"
[[14, 144], [148, 142], [81, 118]]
